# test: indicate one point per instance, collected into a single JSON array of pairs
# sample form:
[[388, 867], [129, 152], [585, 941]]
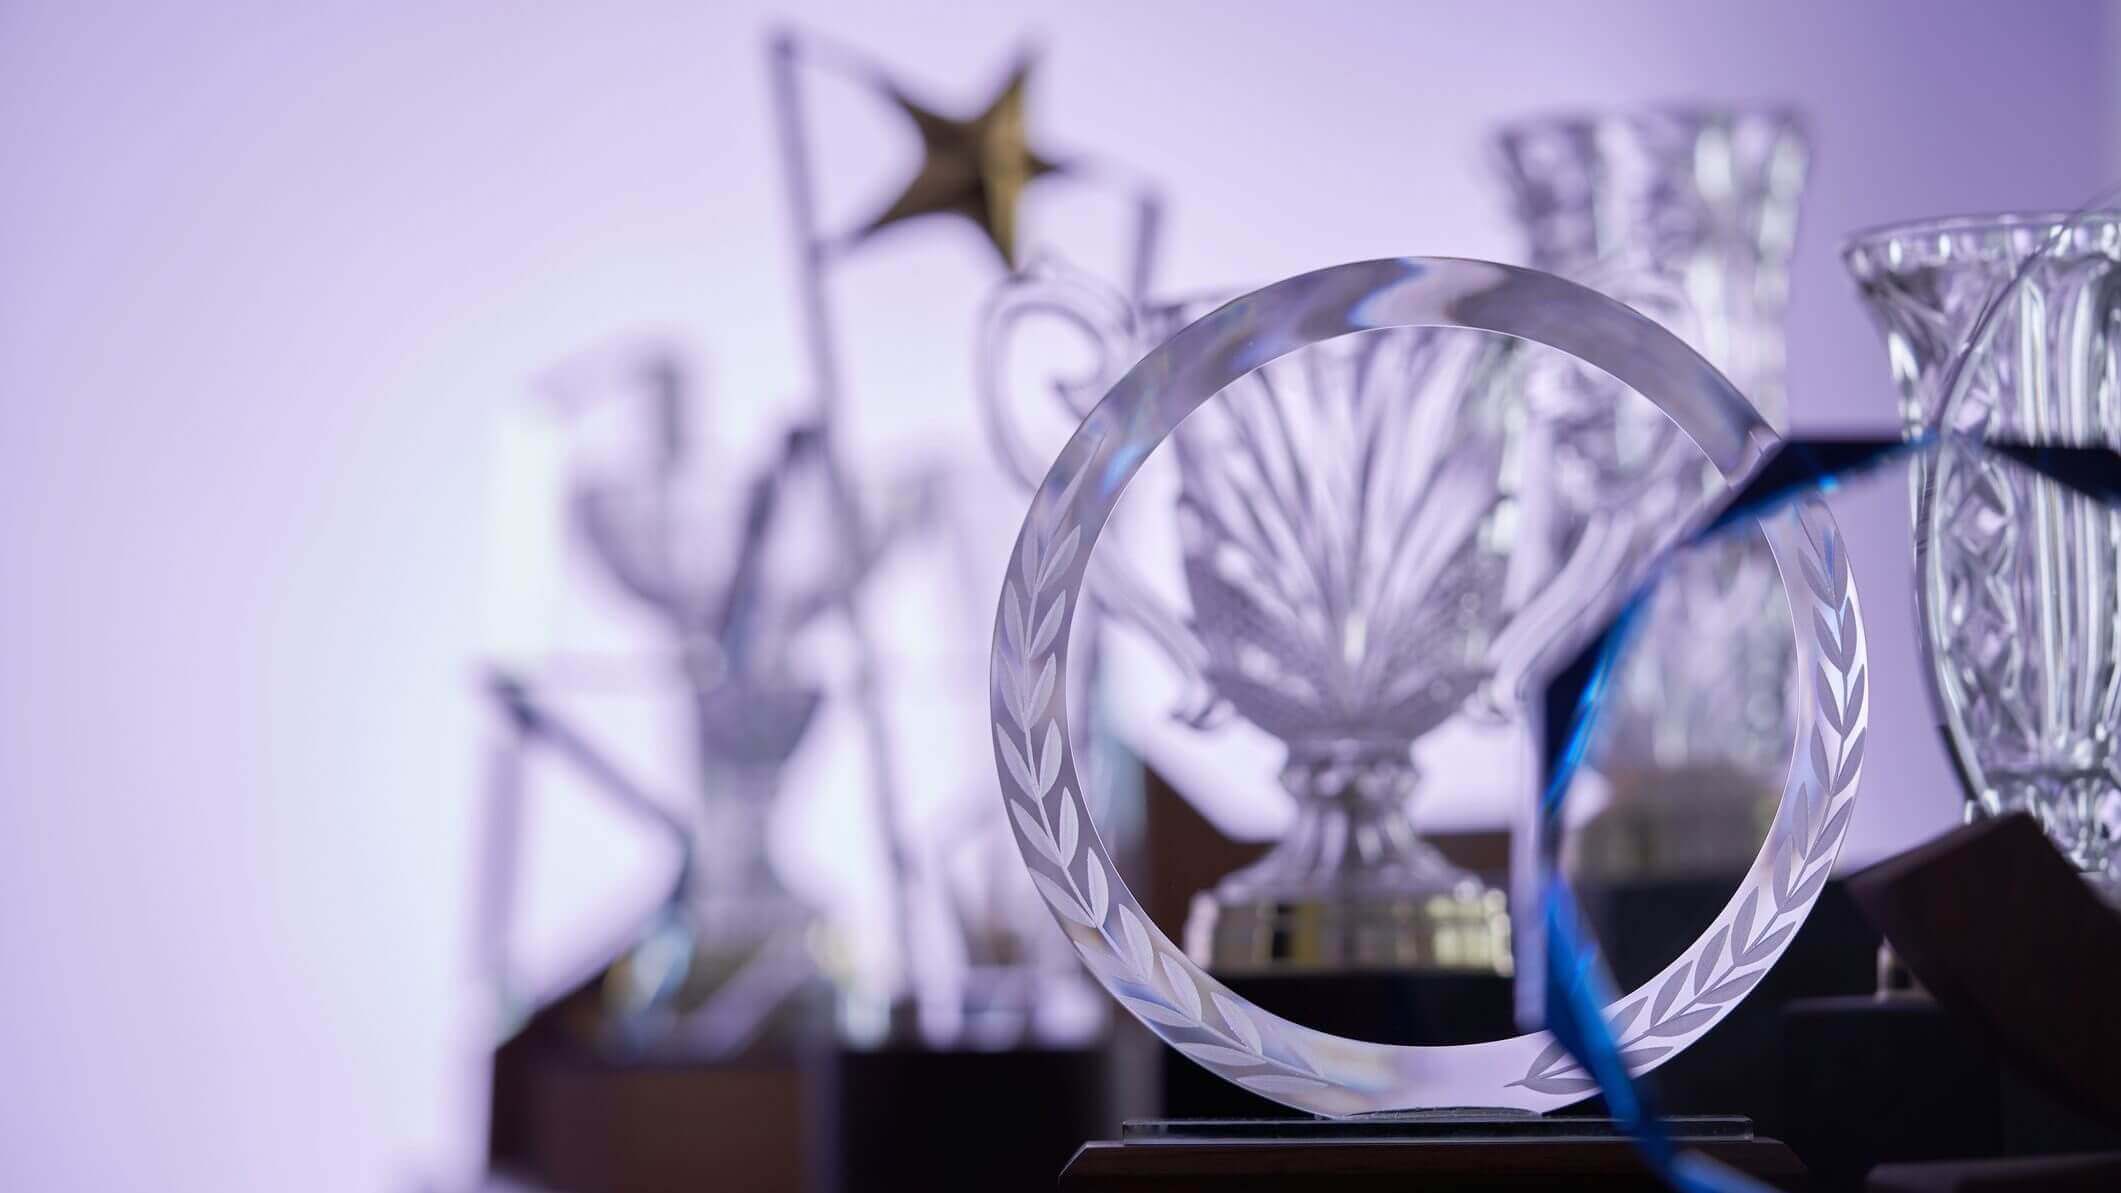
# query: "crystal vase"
[[2018, 580], [1689, 216]]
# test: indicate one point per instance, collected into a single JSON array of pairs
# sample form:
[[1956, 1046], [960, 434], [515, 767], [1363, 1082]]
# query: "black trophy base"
[[960, 1119], [1898, 1082], [1390, 1008], [2091, 1173], [1460, 1150]]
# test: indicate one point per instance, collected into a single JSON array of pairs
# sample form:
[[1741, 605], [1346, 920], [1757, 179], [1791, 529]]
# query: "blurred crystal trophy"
[[731, 566], [2018, 579], [1688, 215], [1345, 513], [718, 564]]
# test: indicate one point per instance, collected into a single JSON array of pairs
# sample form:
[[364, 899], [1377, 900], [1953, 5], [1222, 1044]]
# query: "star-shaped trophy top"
[[975, 168]]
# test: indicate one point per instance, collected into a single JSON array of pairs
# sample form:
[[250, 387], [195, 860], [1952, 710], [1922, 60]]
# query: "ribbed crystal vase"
[[2018, 579]]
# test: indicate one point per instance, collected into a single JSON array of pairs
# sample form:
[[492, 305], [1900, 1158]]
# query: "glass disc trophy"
[[1346, 602]]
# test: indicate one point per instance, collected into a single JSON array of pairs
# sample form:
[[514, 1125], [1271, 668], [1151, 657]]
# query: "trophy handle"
[[1606, 546], [1046, 290], [1616, 533]]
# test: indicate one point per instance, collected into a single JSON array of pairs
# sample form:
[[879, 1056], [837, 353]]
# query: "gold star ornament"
[[975, 168]]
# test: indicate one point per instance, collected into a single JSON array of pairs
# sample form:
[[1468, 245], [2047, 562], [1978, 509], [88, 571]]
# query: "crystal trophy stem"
[[1351, 885]]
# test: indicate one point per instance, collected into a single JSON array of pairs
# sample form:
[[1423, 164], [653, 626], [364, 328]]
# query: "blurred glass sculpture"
[[1688, 215], [732, 576], [1347, 526], [2018, 579], [732, 568], [1303, 618]]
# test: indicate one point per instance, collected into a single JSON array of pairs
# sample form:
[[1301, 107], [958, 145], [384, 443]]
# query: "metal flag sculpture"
[[976, 169]]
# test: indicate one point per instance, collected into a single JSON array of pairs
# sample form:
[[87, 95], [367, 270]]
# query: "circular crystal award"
[[1324, 319]]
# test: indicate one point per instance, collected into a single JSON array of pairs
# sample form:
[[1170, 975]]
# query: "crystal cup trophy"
[[1346, 529], [2018, 579], [1347, 644]]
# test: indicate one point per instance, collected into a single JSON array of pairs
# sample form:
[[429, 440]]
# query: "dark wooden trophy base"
[[1470, 1150]]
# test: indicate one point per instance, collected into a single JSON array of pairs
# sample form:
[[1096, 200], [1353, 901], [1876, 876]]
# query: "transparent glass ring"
[[1149, 974]]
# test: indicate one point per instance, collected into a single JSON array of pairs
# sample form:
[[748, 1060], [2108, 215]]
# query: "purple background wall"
[[267, 279]]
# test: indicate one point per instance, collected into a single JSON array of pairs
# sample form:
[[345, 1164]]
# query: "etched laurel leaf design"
[[1062, 900], [1156, 1012], [1013, 619], [1063, 554], [1098, 889], [1180, 984], [1069, 829], [1554, 1051], [1036, 833], [1711, 956], [1666, 993], [1013, 701], [1730, 989], [1801, 847], [1820, 586], [1559, 1085], [1682, 1023], [1827, 641], [1851, 759], [1829, 707], [1013, 758], [1217, 1054], [1830, 835], [1049, 626], [1742, 926], [1767, 945], [1810, 886], [1049, 760], [1623, 1017], [1239, 1023], [1785, 878], [1140, 953], [1041, 693]]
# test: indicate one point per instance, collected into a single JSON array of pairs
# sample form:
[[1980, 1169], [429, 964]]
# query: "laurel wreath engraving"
[[1075, 878], [1807, 835]]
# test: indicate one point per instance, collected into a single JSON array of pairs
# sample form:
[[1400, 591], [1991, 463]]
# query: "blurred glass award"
[[1349, 496], [2001, 328], [1688, 215], [730, 565], [720, 558]]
